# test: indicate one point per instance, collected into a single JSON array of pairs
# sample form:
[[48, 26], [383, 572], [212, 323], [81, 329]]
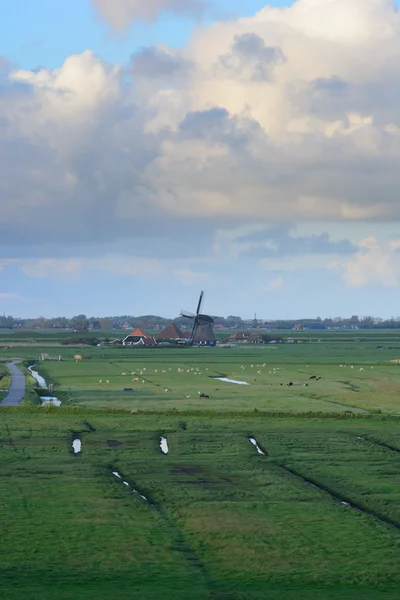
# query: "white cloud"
[[187, 276], [119, 14], [50, 267], [275, 285], [11, 296], [291, 114], [373, 264]]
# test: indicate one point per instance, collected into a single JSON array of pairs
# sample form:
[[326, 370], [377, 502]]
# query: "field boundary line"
[[183, 545], [345, 500]]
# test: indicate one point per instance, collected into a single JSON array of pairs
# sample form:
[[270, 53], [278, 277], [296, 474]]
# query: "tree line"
[[152, 322]]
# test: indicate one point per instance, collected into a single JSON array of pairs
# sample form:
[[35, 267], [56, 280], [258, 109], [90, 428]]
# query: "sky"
[[150, 149]]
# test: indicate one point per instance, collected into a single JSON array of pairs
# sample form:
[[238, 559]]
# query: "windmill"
[[202, 330]]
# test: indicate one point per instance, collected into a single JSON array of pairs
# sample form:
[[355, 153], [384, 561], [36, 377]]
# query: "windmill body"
[[202, 330]]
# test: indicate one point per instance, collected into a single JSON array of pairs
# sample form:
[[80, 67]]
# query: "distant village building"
[[139, 337], [243, 337]]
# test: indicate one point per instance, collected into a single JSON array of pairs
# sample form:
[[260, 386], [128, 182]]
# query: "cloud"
[[157, 63], [119, 14], [187, 276], [288, 116], [278, 242], [250, 59], [373, 264], [49, 267], [275, 285], [11, 296]]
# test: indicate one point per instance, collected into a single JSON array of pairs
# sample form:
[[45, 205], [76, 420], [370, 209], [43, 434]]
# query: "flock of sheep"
[[196, 371]]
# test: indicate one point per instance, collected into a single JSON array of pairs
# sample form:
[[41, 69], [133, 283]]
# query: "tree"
[[79, 322], [106, 323]]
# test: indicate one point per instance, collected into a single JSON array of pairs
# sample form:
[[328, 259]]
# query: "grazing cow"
[[290, 383], [318, 378], [305, 384], [361, 369], [100, 381], [204, 396], [313, 377]]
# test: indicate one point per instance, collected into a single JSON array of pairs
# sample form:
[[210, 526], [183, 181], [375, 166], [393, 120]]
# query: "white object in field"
[[77, 446], [232, 381], [164, 445], [46, 400], [254, 442]]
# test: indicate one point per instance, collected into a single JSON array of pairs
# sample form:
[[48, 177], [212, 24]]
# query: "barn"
[[139, 337], [172, 333]]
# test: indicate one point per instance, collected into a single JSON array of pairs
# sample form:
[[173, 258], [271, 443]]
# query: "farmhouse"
[[139, 337]]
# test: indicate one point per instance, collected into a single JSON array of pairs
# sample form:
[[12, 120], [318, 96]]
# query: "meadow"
[[354, 377], [220, 520], [313, 512]]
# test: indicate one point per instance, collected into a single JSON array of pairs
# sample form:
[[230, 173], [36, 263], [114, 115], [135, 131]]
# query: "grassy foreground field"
[[314, 514], [222, 521]]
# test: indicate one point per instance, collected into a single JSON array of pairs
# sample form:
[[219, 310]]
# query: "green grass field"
[[317, 516], [222, 521], [368, 382]]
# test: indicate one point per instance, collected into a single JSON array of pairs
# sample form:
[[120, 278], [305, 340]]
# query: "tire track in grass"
[[182, 544], [336, 496]]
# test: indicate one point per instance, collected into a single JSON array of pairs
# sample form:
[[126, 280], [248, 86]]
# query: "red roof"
[[171, 332], [139, 333], [141, 336]]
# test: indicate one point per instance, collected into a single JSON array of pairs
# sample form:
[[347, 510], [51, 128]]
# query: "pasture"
[[317, 516], [351, 377], [312, 511]]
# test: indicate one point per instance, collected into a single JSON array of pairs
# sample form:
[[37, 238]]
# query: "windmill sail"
[[202, 330]]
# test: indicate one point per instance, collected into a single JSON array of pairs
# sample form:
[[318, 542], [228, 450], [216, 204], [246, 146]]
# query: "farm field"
[[317, 516], [311, 511], [357, 378]]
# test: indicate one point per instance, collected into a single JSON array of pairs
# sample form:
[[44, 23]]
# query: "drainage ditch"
[[378, 443], [344, 500]]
